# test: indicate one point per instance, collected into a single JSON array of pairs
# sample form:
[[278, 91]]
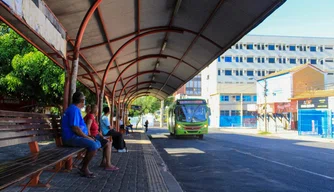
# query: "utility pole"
[[241, 109], [265, 106]]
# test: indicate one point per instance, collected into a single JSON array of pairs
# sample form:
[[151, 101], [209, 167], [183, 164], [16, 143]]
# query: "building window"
[[235, 112], [329, 60], [279, 60], [305, 60], [259, 60], [321, 62], [241, 59], [330, 73], [313, 48], [250, 73], [228, 59], [271, 47], [228, 72], [255, 98], [237, 59], [241, 72], [258, 73], [270, 72], [225, 113], [218, 72], [224, 98], [327, 47], [237, 98], [258, 47], [301, 61], [292, 48], [293, 61], [321, 49], [250, 60], [237, 72], [313, 61], [247, 98], [263, 73], [262, 60], [240, 46], [237, 46], [300, 48], [249, 46], [280, 47], [271, 60]]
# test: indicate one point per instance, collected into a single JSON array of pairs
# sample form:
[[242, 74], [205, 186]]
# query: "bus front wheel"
[[200, 136]]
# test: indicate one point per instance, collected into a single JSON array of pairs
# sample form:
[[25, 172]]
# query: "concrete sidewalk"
[[288, 134], [141, 169]]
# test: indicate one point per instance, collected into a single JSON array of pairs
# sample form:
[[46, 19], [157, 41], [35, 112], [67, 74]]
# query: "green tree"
[[35, 77], [168, 101], [148, 104], [27, 74]]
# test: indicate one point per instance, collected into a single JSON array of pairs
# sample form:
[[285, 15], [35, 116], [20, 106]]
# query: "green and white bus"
[[188, 117]]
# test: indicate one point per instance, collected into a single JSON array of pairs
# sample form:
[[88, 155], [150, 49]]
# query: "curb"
[[160, 178], [282, 136]]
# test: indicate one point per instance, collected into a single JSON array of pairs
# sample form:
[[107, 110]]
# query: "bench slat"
[[24, 140], [22, 114], [24, 126], [4, 120], [10, 167], [37, 165], [18, 134]]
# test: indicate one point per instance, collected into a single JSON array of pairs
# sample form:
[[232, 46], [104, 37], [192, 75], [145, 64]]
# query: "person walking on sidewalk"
[[117, 137], [93, 130], [146, 125]]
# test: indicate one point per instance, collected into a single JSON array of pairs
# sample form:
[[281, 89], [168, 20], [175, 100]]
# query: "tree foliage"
[[148, 104], [27, 74]]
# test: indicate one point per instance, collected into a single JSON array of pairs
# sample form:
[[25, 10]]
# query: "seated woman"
[[93, 131], [117, 137]]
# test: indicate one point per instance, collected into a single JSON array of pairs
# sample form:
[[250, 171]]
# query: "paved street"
[[231, 162]]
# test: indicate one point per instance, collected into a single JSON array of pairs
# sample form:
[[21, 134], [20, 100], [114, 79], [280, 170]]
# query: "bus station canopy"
[[156, 45]]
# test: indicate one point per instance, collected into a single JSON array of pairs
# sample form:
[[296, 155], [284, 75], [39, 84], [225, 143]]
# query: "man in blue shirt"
[[75, 132]]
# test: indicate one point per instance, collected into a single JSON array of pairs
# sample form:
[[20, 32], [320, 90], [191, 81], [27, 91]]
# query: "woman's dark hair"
[[106, 110], [77, 97]]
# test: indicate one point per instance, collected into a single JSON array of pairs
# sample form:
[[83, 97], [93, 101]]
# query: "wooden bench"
[[29, 128]]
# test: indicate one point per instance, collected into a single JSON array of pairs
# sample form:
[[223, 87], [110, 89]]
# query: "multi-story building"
[[229, 82], [191, 89]]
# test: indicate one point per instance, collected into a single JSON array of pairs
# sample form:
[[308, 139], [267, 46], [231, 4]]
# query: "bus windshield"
[[191, 113]]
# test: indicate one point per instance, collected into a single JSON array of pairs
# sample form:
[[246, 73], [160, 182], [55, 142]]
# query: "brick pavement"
[[139, 172]]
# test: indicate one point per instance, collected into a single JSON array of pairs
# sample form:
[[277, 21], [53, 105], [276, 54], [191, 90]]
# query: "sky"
[[311, 18]]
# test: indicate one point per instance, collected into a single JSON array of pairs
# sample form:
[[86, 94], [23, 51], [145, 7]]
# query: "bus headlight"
[[205, 126], [178, 126]]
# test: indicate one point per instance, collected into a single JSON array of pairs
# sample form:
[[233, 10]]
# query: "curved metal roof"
[[167, 42]]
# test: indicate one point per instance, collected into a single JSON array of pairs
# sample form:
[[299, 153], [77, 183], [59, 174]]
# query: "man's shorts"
[[89, 144]]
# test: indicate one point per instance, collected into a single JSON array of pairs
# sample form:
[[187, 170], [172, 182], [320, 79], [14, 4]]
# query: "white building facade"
[[229, 83]]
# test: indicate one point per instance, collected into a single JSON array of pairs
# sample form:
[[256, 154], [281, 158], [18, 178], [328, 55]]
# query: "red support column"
[[77, 45], [66, 100]]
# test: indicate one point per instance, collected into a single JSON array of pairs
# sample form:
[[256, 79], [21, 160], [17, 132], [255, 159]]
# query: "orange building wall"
[[307, 79]]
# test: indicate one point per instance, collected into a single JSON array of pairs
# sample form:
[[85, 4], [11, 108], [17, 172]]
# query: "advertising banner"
[[313, 103]]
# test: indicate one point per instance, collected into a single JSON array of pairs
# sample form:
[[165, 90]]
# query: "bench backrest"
[[24, 127]]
